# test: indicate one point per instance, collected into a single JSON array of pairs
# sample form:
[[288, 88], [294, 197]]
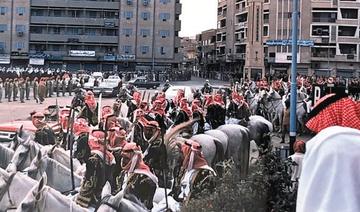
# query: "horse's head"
[[34, 200], [119, 202], [20, 156]]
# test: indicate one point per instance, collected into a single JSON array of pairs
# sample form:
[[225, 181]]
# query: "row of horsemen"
[[135, 156], [129, 163]]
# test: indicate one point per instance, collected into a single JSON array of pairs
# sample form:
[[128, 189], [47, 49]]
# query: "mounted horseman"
[[167, 85], [238, 109], [158, 113], [90, 110], [44, 134], [215, 114], [133, 105], [98, 170], [197, 113], [136, 177], [207, 88], [184, 113]]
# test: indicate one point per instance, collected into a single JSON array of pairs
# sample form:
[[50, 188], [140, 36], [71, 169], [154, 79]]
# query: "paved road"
[[11, 111]]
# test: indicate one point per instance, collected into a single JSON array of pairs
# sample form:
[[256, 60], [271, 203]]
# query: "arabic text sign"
[[125, 57], [81, 53], [309, 43]]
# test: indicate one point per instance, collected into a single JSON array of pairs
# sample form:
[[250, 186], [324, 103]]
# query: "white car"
[[108, 87], [173, 90]]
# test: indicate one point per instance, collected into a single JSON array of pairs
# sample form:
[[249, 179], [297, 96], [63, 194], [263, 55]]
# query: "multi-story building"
[[188, 49], [207, 65], [252, 37], [92, 35]]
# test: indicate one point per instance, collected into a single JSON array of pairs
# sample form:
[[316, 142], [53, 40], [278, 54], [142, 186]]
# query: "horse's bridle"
[[104, 201], [6, 190]]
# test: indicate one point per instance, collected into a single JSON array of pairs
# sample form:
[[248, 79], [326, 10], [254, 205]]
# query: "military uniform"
[[27, 88], [215, 115], [36, 89], [45, 136], [90, 115], [70, 84], [15, 89], [1, 89], [6, 87], [57, 86], [63, 85], [10, 89], [22, 89]]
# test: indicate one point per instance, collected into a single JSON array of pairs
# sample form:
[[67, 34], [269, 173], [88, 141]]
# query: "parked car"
[[142, 82], [90, 84], [108, 87], [173, 90]]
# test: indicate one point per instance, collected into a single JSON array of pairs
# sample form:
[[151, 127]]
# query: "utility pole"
[[293, 96]]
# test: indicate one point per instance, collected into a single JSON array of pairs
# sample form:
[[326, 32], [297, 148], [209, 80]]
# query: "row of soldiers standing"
[[41, 88]]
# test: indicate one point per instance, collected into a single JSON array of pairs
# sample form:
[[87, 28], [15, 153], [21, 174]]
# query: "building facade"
[[252, 37], [106, 35], [207, 65]]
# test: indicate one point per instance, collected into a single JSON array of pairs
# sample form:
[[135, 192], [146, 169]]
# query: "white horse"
[[44, 198], [118, 202], [59, 176], [273, 107], [13, 189], [252, 99]]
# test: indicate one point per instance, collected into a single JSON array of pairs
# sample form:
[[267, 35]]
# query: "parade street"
[[12, 111]]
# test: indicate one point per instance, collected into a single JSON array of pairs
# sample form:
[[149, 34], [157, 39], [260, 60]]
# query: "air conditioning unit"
[[350, 56]]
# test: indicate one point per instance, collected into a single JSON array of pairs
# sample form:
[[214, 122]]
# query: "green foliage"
[[267, 188]]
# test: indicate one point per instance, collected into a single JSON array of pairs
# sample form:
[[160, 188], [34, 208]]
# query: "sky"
[[197, 16]]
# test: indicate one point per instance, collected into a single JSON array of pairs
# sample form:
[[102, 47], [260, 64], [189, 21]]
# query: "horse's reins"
[[104, 202], [6, 190]]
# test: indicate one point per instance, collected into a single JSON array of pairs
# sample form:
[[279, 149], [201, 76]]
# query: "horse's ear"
[[37, 192], [106, 190]]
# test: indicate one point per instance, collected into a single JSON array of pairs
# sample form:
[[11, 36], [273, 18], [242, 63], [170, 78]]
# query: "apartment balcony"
[[76, 4], [73, 21], [335, 58], [177, 25], [178, 8], [344, 39], [240, 56], [322, 4], [73, 38], [353, 22]]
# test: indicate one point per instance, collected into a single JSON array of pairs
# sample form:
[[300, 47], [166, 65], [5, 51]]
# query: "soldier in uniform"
[[47, 87], [167, 85], [15, 89], [44, 135], [70, 85], [96, 167], [51, 87], [57, 86], [239, 109], [63, 85], [136, 177], [6, 87], [90, 110], [10, 89], [42, 90], [27, 88], [207, 88], [184, 114], [198, 113], [1, 89], [22, 89], [36, 89], [215, 115]]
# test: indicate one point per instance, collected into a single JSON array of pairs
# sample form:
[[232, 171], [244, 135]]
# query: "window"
[[127, 49], [20, 28], [3, 10], [266, 30], [145, 16], [2, 47], [162, 50], [164, 16], [144, 49], [127, 32], [90, 31], [146, 2], [20, 11], [129, 2], [164, 1], [145, 32], [164, 33], [128, 15], [20, 45], [3, 27]]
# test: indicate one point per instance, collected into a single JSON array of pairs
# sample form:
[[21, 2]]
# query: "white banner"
[[81, 53], [37, 61], [4, 59]]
